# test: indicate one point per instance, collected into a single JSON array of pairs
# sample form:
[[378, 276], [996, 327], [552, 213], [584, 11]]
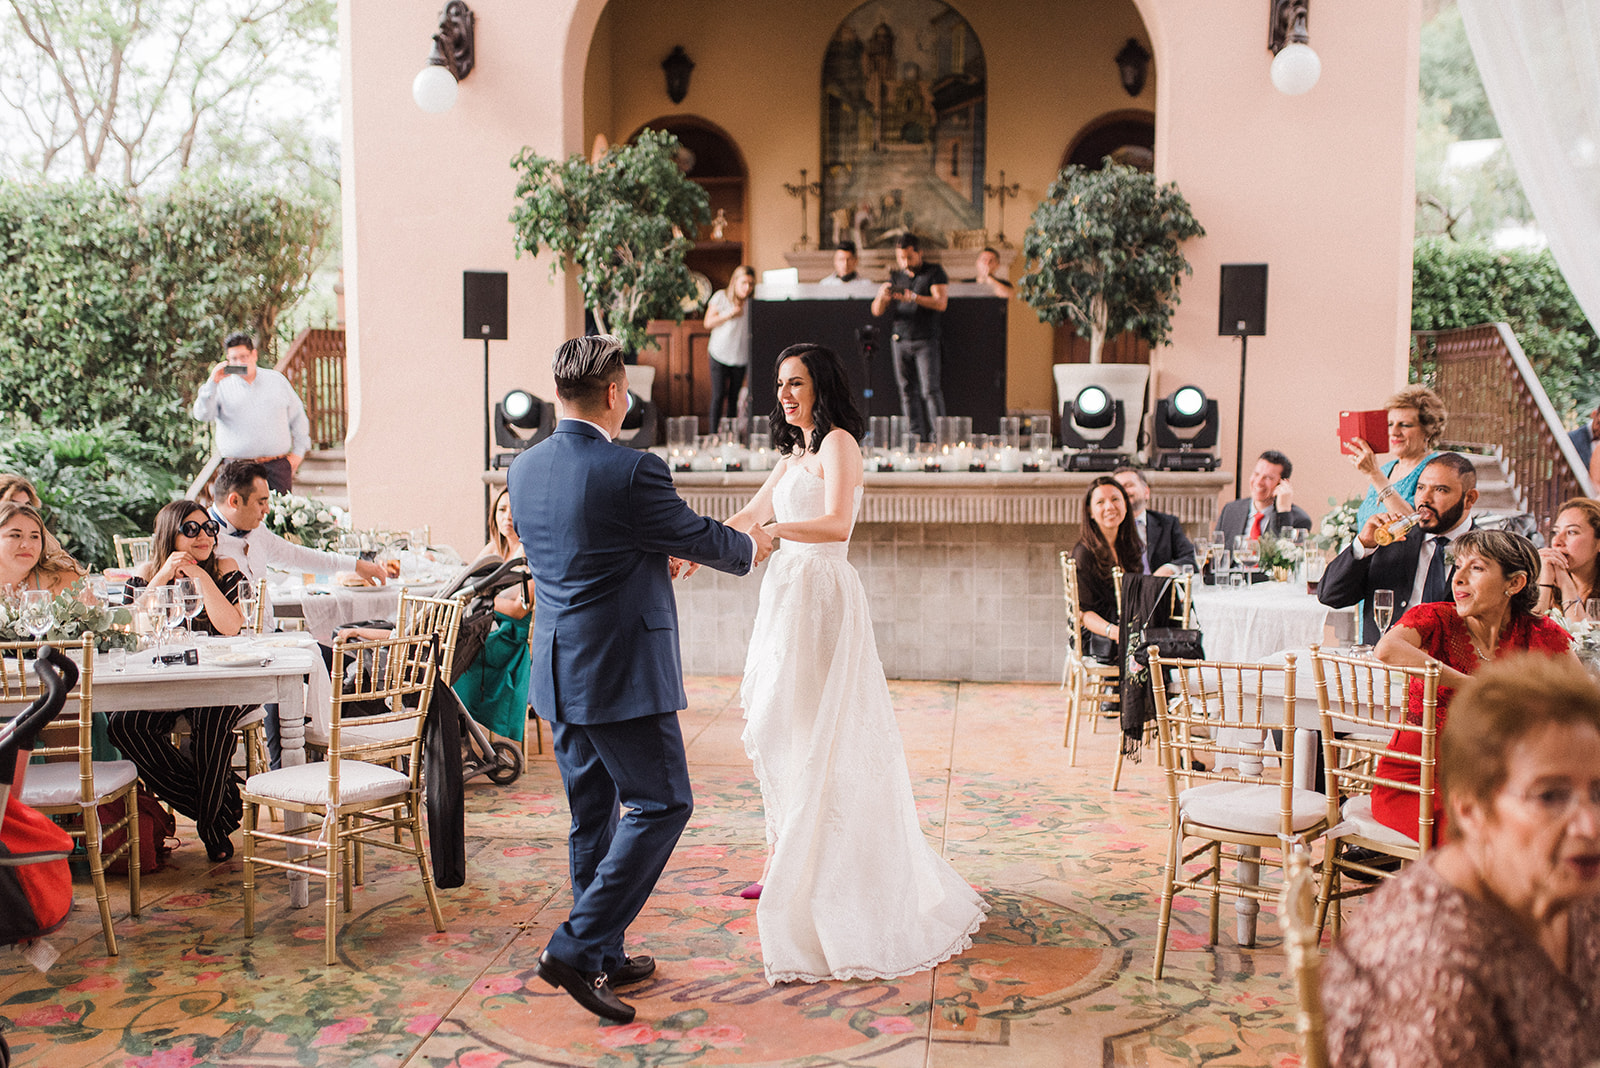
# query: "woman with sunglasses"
[[197, 781]]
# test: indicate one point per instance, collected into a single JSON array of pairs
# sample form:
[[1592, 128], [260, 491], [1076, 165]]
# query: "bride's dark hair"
[[833, 406]]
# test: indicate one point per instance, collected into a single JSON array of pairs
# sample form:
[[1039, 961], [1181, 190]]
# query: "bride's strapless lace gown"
[[854, 891]]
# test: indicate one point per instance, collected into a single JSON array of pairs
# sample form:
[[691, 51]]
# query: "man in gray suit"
[[603, 530], [1270, 507]]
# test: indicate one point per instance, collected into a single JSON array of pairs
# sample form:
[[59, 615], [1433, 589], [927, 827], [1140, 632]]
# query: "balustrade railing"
[[314, 365], [1496, 404]]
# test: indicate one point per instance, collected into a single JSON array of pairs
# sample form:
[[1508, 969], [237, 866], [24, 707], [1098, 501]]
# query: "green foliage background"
[[1458, 285], [624, 224], [112, 307], [1103, 252]]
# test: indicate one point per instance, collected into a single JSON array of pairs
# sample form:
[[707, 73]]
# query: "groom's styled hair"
[[585, 366]]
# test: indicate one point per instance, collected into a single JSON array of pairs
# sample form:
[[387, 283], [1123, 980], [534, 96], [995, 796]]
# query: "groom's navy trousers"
[[598, 522]]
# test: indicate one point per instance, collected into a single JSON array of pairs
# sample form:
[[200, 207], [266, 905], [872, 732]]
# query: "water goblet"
[[38, 613], [190, 601]]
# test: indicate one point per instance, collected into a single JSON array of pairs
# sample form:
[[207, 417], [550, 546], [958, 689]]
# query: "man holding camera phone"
[[258, 414], [919, 292]]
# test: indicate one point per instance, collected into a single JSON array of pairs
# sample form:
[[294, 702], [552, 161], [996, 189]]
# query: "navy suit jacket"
[[1165, 541], [1388, 567], [597, 522]]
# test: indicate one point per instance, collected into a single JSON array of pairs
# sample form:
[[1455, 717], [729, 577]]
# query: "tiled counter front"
[[960, 569]]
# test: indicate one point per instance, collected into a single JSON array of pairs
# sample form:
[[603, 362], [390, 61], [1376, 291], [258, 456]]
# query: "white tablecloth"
[[1248, 625], [326, 607]]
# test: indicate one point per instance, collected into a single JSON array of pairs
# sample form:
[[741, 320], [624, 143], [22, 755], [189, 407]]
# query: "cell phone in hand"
[[234, 368]]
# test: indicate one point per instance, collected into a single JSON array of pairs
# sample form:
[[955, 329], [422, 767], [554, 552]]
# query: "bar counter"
[[961, 569]]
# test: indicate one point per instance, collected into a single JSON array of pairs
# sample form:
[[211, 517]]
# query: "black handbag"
[[1101, 648], [1175, 643]]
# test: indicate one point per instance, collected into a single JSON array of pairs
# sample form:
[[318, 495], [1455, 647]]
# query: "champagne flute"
[[247, 607], [1382, 609], [38, 613]]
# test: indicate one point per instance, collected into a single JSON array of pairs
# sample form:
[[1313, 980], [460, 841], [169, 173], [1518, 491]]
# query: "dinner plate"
[[280, 641], [242, 659]]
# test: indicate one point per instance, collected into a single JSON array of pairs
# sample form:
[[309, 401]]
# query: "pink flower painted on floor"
[[893, 1025], [95, 982], [206, 977], [636, 1034], [523, 851], [424, 1024], [500, 984], [48, 1016], [186, 901], [721, 1036], [481, 1058], [335, 1034], [176, 1057]]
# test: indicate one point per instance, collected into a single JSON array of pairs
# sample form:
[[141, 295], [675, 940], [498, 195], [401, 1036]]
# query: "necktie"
[[1436, 587], [1256, 523]]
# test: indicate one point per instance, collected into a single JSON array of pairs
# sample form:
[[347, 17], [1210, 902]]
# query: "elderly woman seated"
[[198, 780], [1487, 951]]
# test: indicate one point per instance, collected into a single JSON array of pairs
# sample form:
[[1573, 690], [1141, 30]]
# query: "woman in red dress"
[[1492, 616]]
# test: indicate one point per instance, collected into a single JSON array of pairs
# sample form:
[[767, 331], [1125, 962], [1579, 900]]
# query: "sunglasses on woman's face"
[[191, 528]]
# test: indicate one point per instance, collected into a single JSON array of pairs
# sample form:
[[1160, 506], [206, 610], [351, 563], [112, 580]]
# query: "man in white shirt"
[[258, 414], [240, 498], [844, 265]]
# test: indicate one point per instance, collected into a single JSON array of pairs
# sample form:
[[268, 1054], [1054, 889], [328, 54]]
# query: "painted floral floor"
[[1059, 974]]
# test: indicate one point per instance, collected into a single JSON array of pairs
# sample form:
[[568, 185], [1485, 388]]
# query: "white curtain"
[[1540, 62]]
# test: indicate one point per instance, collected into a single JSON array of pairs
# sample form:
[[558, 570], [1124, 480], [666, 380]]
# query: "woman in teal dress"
[[1416, 422], [494, 687]]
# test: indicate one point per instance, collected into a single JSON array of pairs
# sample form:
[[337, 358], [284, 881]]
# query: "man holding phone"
[[259, 416], [919, 293]]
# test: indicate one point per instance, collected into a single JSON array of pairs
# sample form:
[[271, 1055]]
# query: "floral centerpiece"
[[1339, 527], [1585, 637], [1278, 554], [304, 521], [110, 625]]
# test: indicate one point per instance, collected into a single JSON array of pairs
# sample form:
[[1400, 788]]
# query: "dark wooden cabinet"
[[683, 374]]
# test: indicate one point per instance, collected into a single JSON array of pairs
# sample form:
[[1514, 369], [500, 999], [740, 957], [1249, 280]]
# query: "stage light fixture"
[[1093, 409], [521, 410], [1186, 409], [641, 423]]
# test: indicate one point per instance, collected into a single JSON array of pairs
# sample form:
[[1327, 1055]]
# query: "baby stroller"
[[35, 882], [500, 762]]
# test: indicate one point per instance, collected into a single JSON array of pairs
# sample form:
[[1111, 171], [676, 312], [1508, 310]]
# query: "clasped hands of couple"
[[759, 533]]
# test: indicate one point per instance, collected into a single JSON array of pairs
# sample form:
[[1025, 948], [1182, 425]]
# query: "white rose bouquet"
[[306, 522]]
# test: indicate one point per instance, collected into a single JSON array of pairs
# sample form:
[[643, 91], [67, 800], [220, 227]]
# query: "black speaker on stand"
[[483, 315], [1241, 314]]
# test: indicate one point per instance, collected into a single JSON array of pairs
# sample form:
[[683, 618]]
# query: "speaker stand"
[[1238, 450], [488, 417]]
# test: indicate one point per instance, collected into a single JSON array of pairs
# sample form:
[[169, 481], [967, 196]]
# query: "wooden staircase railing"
[[314, 365], [1496, 404]]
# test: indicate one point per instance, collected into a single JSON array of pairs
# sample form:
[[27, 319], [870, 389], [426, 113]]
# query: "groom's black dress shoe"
[[592, 990], [632, 970]]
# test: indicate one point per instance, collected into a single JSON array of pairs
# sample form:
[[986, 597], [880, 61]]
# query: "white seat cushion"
[[353, 732], [307, 784], [250, 719], [57, 783], [1358, 811], [1250, 808]]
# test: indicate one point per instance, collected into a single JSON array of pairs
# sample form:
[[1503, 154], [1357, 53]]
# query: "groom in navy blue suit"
[[604, 531]]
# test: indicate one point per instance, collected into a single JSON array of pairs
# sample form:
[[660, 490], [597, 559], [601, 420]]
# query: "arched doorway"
[[1127, 137], [712, 161]]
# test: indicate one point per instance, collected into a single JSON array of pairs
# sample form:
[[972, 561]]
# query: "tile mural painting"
[[903, 118]]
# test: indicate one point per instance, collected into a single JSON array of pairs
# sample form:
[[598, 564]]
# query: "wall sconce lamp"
[[1133, 63], [434, 87], [677, 66], [1295, 67]]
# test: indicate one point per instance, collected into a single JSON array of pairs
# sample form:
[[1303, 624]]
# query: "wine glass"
[[1591, 609], [247, 608], [38, 613], [1246, 552], [186, 591], [1382, 609]]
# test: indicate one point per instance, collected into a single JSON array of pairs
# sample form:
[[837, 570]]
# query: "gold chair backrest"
[[433, 615], [63, 740], [1069, 586], [131, 552], [1210, 695], [397, 672], [1297, 917], [1362, 702]]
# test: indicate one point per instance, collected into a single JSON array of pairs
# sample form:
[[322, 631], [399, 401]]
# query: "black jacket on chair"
[[1165, 541], [1349, 581]]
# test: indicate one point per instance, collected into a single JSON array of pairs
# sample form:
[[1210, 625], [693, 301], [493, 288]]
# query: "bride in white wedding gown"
[[852, 890]]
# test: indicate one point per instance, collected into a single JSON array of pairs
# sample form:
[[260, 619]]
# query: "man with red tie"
[[1270, 506]]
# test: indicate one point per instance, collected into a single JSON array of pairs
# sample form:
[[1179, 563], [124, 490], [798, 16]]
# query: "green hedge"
[[1457, 285], [112, 309]]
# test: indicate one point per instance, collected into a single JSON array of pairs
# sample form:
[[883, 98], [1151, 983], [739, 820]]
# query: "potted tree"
[[621, 222], [1103, 250]]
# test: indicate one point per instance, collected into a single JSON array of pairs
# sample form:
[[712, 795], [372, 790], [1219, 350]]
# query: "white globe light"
[[1295, 69], [434, 89]]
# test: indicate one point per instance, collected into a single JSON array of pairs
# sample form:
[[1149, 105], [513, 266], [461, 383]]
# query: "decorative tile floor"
[[1059, 974]]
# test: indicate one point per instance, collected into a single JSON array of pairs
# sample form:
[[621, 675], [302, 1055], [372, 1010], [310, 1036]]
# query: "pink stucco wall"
[[1318, 186]]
